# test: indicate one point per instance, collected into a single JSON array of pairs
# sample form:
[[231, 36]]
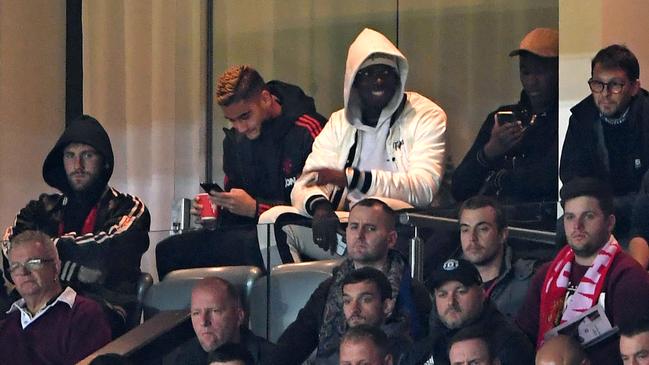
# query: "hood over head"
[[86, 130], [368, 43], [294, 101]]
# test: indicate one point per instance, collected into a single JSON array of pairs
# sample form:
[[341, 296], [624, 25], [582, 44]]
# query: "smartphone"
[[506, 116], [209, 186]]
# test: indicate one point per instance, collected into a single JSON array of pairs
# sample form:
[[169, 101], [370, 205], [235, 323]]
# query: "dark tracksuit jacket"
[[103, 230]]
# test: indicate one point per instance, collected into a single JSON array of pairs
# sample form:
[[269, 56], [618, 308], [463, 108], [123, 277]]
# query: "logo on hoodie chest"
[[287, 170], [396, 145]]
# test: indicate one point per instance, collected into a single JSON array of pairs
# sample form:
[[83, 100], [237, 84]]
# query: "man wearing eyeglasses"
[[608, 138], [49, 325]]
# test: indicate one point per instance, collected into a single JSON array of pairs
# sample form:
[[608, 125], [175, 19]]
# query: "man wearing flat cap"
[[461, 303], [591, 270], [515, 155]]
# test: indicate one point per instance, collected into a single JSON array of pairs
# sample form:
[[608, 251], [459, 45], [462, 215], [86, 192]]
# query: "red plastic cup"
[[207, 212]]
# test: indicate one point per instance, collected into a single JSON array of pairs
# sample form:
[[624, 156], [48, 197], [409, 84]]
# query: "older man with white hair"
[[49, 325]]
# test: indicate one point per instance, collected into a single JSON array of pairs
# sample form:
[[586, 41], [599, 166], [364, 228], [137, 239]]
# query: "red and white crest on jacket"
[[287, 167]]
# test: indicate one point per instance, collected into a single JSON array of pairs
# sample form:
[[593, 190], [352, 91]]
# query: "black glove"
[[37, 216], [325, 227]]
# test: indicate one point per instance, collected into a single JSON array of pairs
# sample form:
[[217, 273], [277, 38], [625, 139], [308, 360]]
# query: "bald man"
[[561, 350], [217, 317]]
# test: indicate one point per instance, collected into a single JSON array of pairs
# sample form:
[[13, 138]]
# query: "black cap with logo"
[[458, 270]]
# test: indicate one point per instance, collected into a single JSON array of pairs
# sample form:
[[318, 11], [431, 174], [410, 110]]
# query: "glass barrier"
[[458, 51], [272, 296]]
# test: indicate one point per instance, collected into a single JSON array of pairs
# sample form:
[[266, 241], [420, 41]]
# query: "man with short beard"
[[321, 323], [460, 303], [367, 300], [591, 270], [608, 139], [99, 232], [516, 160], [483, 234]]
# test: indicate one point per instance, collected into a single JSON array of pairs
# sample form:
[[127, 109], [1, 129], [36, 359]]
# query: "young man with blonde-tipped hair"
[[273, 127]]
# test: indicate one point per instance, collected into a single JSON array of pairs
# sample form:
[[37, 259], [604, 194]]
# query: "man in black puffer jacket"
[[273, 127], [460, 303]]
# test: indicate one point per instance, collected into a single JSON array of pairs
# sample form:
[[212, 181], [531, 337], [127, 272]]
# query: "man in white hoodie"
[[385, 142]]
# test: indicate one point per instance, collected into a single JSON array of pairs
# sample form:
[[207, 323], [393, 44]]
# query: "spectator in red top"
[[591, 270]]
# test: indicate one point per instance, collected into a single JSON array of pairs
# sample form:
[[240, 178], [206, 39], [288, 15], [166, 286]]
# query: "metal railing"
[[419, 220]]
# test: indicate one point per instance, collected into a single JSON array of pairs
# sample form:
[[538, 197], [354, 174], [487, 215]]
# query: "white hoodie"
[[414, 144]]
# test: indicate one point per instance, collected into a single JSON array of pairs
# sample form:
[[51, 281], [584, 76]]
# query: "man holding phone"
[[514, 156], [273, 127]]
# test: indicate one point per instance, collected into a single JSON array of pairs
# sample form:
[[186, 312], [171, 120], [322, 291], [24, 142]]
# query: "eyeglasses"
[[29, 265], [614, 87]]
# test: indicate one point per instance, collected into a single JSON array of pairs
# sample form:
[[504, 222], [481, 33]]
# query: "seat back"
[[291, 285], [175, 291], [134, 317]]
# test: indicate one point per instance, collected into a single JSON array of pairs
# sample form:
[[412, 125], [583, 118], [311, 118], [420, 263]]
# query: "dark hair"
[[231, 352], [634, 327], [370, 274], [111, 359], [617, 56], [367, 332], [588, 186], [240, 82], [372, 202], [482, 201], [476, 332]]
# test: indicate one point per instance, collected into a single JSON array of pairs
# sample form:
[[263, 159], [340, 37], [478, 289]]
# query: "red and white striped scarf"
[[585, 297]]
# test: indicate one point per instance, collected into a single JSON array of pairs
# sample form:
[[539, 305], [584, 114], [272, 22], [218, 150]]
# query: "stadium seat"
[[174, 292], [291, 286]]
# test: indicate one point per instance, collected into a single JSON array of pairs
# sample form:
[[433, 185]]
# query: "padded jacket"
[[415, 143]]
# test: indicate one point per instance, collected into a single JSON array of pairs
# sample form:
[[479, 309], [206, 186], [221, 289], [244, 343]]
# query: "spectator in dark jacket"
[[231, 354], [460, 303], [273, 127], [367, 299], [608, 139], [483, 233], [321, 323], [100, 233], [516, 159], [218, 319]]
